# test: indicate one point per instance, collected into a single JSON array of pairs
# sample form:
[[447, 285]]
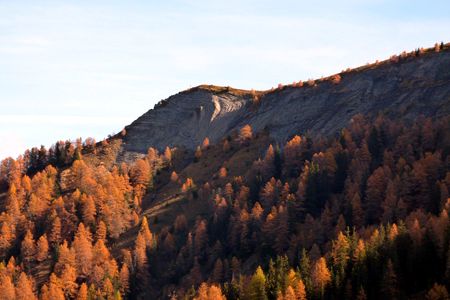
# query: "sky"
[[72, 69]]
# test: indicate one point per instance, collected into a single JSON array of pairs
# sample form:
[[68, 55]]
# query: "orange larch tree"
[[88, 209], [320, 276], [245, 133], [140, 173], [205, 143], [146, 233], [82, 245], [124, 279], [83, 292], [101, 232], [24, 288], [28, 248], [7, 288], [42, 248]]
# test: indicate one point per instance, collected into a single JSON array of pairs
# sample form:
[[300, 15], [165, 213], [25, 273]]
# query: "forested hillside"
[[362, 215]]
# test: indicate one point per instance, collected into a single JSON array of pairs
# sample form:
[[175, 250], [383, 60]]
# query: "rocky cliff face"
[[408, 88]]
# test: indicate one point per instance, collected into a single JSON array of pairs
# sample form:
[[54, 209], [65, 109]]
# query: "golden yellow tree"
[[300, 290], [320, 276], [257, 289]]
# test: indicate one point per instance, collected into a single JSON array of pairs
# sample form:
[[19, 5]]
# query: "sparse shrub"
[[436, 47], [205, 144], [188, 185], [223, 172], [394, 58], [198, 154], [226, 146], [174, 176], [336, 79], [245, 133]]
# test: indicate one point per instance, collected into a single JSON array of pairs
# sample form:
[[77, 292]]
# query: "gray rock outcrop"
[[414, 86]]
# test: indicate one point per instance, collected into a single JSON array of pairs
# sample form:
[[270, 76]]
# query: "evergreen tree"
[[389, 284], [257, 289]]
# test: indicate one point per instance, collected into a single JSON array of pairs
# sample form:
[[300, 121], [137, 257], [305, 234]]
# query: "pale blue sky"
[[73, 69]]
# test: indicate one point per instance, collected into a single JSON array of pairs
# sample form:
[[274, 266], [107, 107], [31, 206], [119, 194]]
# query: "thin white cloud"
[[33, 41]]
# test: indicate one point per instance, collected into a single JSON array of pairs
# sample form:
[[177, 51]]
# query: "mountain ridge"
[[404, 86]]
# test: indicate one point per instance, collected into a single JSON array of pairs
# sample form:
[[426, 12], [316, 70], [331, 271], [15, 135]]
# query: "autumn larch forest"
[[361, 214]]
